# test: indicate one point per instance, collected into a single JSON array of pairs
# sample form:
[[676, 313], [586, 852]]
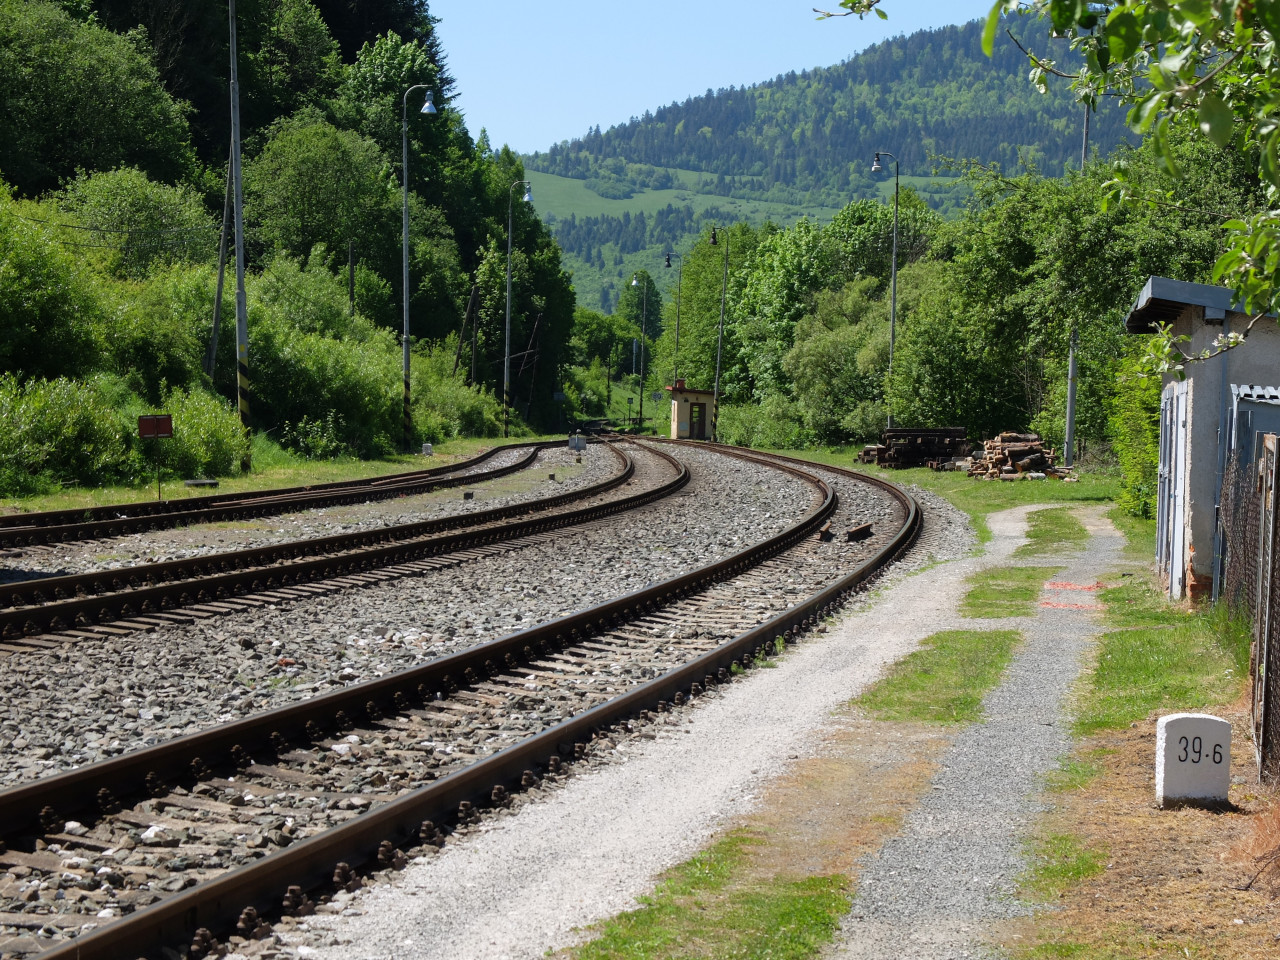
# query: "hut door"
[[1178, 494], [698, 421]]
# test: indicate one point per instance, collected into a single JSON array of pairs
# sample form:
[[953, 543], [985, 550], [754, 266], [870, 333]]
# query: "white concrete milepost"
[[1193, 760]]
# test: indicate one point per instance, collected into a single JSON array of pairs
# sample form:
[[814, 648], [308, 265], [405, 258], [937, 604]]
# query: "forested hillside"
[[114, 146], [805, 140]]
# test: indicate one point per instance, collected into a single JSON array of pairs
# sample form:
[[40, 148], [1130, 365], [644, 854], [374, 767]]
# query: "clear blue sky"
[[534, 74]]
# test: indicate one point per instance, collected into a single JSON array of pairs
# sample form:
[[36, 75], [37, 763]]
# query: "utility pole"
[[242, 309], [1069, 442]]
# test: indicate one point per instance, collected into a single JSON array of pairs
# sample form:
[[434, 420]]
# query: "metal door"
[[698, 421], [1177, 559], [1163, 485]]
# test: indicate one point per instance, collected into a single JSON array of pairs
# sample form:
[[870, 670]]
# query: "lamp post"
[[893, 267], [675, 354], [644, 310], [506, 352], [428, 107], [724, 287]]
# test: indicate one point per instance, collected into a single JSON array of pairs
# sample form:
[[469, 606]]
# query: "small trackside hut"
[[1217, 410], [691, 412]]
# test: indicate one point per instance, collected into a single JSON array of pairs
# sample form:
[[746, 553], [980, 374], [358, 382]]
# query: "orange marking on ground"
[[1064, 585], [1070, 606]]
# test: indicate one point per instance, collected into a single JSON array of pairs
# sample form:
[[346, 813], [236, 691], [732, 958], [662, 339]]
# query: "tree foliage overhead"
[[77, 96]]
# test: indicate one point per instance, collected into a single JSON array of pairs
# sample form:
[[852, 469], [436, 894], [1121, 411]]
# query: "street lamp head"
[[668, 261], [713, 236], [875, 164], [528, 193], [635, 280], [429, 106]]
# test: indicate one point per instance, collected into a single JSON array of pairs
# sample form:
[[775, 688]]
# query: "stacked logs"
[[899, 448], [1012, 456]]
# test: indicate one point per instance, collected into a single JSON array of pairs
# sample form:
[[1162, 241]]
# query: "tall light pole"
[[506, 354], [893, 273], [644, 311], [428, 107], [724, 287], [675, 355]]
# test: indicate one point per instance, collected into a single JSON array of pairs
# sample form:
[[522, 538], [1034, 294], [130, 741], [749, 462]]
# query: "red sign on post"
[[155, 426]]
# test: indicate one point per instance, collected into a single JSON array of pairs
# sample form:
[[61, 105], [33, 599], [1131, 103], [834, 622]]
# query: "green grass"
[[1052, 530], [1005, 591], [273, 468], [1073, 773], [1160, 657], [945, 680], [1058, 862], [977, 498], [710, 907]]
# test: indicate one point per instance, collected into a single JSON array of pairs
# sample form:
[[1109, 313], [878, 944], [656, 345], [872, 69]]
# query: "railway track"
[[20, 530], [47, 611], [268, 811]]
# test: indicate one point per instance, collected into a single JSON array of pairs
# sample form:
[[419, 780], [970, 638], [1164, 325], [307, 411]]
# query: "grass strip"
[[945, 680], [1075, 773], [1052, 530], [1005, 591], [1059, 861], [1162, 658], [714, 906]]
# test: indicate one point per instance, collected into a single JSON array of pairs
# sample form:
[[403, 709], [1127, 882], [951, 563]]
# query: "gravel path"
[[521, 884], [955, 863]]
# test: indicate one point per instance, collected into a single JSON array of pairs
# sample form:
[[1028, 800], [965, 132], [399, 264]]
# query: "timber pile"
[[1011, 456], [900, 448]]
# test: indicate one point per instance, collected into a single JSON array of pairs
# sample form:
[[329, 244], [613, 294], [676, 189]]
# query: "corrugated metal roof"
[[1256, 393]]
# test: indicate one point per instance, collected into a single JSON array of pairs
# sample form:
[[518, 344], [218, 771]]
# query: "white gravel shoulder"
[[523, 884]]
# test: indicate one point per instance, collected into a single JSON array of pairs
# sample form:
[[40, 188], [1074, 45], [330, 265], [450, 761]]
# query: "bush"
[[208, 440], [1135, 434], [48, 306], [60, 431], [777, 423], [55, 432], [444, 406], [316, 439]]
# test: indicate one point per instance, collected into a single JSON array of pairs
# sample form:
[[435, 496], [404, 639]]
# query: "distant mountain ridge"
[[802, 145], [932, 93]]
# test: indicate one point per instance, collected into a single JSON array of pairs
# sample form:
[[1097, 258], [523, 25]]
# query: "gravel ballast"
[[97, 699], [520, 885]]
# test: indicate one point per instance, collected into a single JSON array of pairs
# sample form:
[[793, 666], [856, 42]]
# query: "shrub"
[[444, 406], [48, 307], [208, 439], [60, 431], [318, 438], [1135, 435], [777, 423]]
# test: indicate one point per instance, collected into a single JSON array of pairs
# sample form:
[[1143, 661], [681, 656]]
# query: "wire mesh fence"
[[1250, 573]]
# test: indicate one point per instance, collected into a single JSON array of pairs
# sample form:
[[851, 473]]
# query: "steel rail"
[[24, 530], [82, 600], [216, 903]]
